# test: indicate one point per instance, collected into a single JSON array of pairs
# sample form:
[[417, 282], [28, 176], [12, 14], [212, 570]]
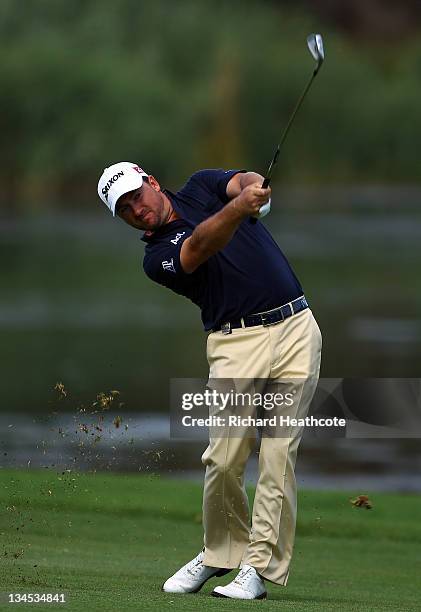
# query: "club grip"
[[265, 184]]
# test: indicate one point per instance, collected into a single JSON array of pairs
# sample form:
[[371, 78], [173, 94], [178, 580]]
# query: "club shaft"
[[286, 130]]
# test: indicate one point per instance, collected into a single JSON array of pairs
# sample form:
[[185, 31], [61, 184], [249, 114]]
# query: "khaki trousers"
[[288, 350]]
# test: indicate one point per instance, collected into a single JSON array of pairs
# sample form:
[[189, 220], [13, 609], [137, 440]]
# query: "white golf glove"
[[263, 210]]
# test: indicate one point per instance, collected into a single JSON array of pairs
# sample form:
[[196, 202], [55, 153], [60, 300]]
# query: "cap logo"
[[139, 170], [112, 180]]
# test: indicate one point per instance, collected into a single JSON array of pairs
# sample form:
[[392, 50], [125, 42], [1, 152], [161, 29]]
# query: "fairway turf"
[[110, 540]]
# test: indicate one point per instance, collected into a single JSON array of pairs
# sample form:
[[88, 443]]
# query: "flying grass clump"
[[105, 400], [60, 388], [362, 501]]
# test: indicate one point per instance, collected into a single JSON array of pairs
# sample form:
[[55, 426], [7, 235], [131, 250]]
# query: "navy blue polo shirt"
[[251, 274]]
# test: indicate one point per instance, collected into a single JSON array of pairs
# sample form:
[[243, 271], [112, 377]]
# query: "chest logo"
[[177, 238], [168, 266]]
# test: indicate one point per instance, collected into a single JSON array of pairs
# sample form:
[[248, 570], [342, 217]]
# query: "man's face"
[[143, 208]]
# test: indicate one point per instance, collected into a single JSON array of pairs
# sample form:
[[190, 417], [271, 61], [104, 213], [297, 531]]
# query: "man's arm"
[[214, 233], [240, 181]]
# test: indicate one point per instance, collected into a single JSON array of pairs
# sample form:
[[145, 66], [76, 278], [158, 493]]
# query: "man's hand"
[[214, 233], [241, 181], [249, 201]]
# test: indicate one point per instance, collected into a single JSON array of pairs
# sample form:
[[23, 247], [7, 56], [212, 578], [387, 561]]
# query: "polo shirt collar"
[[168, 227]]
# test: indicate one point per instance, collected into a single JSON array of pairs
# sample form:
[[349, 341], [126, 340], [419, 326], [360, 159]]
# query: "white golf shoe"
[[192, 576], [247, 585]]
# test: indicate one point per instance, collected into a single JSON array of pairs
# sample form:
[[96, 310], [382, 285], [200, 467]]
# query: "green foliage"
[[177, 86]]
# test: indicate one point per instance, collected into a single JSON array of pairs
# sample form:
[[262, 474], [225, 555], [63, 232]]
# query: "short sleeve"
[[215, 181]]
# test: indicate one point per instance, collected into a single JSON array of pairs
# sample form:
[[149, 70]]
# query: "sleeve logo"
[[168, 266]]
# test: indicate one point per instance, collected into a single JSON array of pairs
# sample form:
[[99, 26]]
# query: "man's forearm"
[[248, 178], [214, 233]]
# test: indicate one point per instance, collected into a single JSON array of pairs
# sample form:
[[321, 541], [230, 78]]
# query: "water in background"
[[141, 443], [76, 307]]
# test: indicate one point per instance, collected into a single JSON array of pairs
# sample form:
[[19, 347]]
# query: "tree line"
[[179, 86]]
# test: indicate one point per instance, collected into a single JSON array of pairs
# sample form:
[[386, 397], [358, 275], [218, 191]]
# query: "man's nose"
[[136, 208]]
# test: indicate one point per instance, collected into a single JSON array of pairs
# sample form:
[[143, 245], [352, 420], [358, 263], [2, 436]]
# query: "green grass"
[[109, 541]]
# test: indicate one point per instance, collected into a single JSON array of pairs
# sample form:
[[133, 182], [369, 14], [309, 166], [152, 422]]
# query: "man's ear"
[[154, 183]]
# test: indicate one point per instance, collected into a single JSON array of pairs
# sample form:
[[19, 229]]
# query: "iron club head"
[[315, 45]]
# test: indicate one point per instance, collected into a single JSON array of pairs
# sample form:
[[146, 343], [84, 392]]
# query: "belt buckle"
[[266, 322], [226, 329]]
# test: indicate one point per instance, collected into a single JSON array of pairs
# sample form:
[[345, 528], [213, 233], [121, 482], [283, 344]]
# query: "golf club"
[[315, 45]]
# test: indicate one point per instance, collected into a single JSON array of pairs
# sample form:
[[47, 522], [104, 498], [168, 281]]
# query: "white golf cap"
[[117, 180]]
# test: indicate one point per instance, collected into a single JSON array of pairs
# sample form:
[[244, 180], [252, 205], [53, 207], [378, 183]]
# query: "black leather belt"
[[271, 317]]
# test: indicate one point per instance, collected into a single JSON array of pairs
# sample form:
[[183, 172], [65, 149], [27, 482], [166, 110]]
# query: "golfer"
[[200, 243]]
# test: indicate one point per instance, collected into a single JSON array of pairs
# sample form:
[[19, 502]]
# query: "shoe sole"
[[218, 574], [216, 594]]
